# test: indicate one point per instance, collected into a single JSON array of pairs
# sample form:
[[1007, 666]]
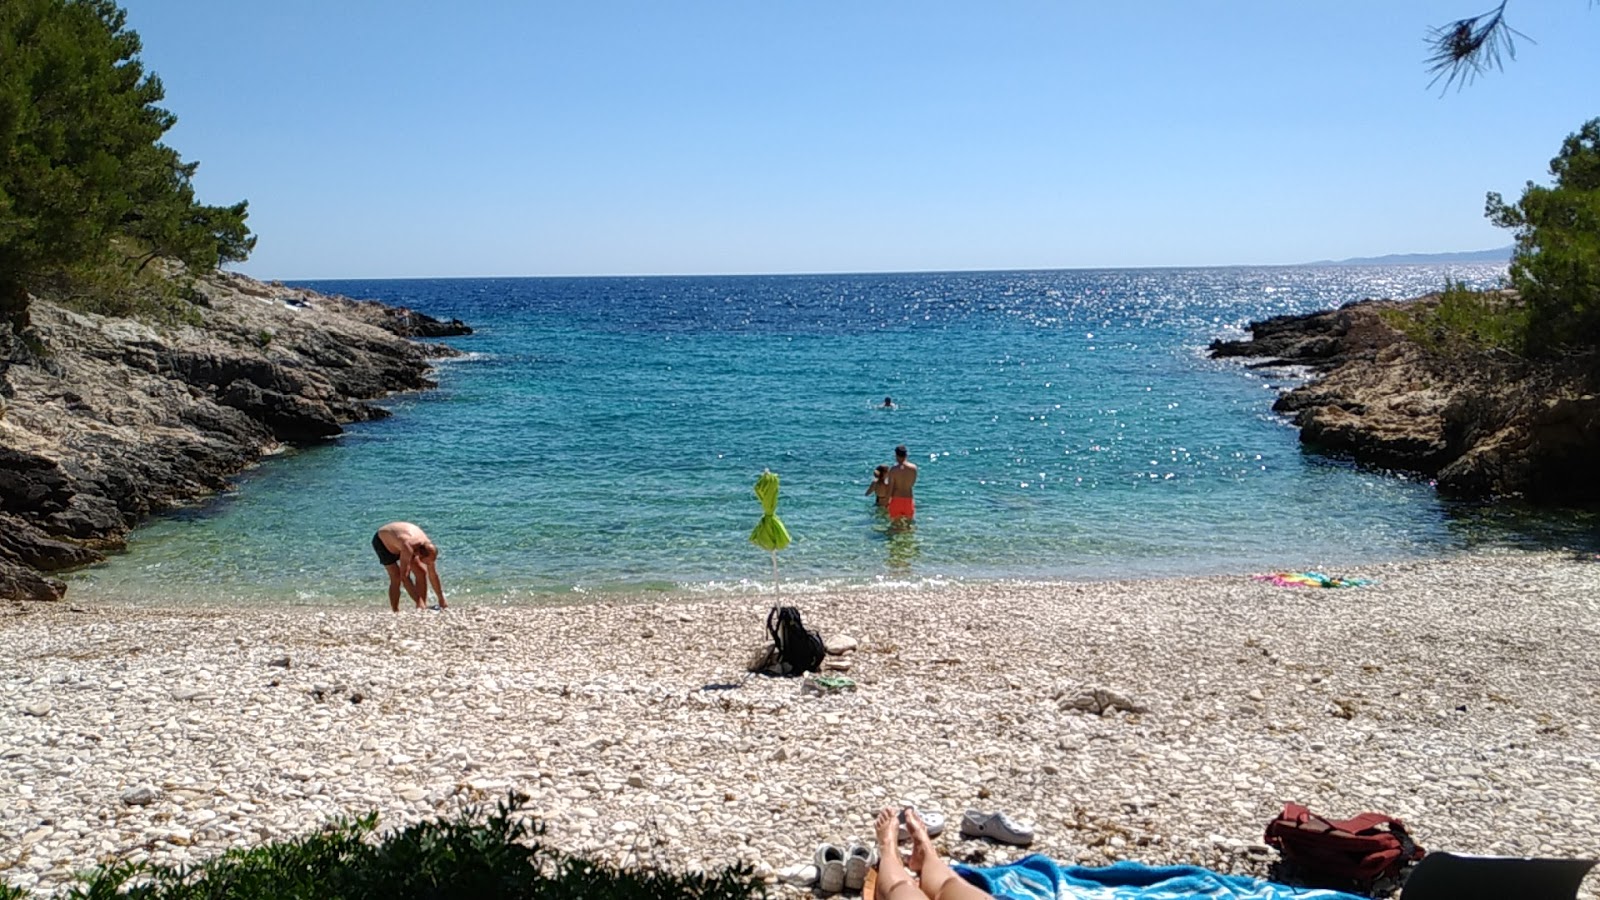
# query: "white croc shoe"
[[996, 827], [830, 869], [931, 818]]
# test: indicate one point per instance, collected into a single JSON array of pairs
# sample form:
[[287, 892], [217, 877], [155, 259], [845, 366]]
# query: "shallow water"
[[602, 435]]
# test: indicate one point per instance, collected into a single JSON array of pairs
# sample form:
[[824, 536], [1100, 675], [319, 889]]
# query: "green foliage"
[[81, 159], [7, 892], [1464, 321], [115, 290], [501, 857], [1556, 264]]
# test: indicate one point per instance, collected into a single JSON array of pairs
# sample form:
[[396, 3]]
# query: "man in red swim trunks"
[[902, 475]]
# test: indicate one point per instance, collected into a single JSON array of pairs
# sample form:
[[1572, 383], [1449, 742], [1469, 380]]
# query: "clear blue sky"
[[409, 138]]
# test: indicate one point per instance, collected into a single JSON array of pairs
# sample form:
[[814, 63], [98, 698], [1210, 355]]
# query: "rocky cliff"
[[105, 421], [1481, 426]]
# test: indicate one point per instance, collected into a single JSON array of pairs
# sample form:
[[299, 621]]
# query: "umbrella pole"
[[774, 574]]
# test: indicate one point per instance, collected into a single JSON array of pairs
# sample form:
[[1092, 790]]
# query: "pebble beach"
[[1461, 695]]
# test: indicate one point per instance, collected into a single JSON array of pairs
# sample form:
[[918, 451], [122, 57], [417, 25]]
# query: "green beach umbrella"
[[769, 533]]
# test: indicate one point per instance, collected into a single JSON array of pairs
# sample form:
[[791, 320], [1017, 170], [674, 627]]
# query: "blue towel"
[[1038, 877]]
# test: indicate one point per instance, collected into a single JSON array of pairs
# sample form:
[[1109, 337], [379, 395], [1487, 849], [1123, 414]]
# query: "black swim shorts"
[[384, 556]]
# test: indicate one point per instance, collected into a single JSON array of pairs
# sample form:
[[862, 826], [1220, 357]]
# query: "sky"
[[593, 137]]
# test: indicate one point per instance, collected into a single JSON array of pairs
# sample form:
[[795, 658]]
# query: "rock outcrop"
[[105, 421], [1482, 427]]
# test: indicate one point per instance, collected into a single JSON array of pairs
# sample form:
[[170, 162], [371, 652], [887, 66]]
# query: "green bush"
[[105, 287], [503, 856], [1464, 322]]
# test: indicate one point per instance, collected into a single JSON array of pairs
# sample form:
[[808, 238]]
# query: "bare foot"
[[893, 879], [921, 844], [888, 827]]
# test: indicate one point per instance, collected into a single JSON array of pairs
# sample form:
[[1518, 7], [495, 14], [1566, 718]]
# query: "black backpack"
[[795, 648]]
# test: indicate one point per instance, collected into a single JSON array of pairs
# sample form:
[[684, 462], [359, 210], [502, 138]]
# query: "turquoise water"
[[602, 435]]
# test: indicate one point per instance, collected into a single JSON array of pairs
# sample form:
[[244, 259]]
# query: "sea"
[[600, 438]]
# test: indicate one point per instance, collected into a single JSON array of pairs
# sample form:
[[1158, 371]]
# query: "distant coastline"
[[1495, 255]]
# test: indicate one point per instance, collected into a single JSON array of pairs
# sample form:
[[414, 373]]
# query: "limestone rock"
[[140, 795], [840, 644], [1098, 701], [1482, 427], [114, 421]]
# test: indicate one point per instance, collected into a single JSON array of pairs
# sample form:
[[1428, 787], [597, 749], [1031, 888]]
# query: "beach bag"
[[796, 649], [1363, 849]]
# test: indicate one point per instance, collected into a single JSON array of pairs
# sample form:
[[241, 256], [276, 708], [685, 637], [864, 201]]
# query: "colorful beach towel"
[[1310, 579], [1038, 877]]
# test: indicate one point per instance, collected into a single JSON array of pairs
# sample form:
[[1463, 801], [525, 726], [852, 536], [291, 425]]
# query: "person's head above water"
[[881, 471], [900, 453], [888, 401]]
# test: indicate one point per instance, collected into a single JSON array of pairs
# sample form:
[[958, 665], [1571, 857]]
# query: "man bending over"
[[411, 561]]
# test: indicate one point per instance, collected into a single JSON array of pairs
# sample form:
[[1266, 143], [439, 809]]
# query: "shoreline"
[[370, 592], [1456, 694]]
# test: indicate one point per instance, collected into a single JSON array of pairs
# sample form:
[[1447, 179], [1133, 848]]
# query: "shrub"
[[503, 856], [153, 295], [1464, 322]]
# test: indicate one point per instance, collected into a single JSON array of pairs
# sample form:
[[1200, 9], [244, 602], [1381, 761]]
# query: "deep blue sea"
[[602, 435]]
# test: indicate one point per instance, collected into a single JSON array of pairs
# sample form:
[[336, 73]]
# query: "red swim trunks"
[[902, 508]]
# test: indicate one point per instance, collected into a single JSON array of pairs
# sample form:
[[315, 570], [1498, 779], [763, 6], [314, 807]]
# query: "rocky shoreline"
[[106, 421], [1484, 427], [1456, 694]]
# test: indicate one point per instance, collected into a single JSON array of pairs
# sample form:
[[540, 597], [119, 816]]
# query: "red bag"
[[1362, 849]]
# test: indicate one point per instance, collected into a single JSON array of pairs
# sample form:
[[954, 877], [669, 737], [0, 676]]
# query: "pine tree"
[[84, 178]]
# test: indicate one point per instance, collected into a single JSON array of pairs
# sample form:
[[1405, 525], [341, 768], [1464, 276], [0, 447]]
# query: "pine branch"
[[1467, 48]]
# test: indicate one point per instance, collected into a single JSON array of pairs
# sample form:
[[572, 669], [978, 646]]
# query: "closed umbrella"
[[769, 533]]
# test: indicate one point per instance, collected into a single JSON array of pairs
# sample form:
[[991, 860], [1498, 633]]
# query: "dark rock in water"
[[23, 543], [1320, 340], [292, 419], [106, 421], [398, 320], [18, 582], [1483, 427]]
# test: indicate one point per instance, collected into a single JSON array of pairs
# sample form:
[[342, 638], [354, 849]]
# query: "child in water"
[[880, 486]]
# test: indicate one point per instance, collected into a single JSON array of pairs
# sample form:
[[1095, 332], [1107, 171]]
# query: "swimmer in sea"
[[888, 403]]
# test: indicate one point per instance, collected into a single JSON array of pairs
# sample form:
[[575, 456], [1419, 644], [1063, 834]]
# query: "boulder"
[[19, 582], [23, 543]]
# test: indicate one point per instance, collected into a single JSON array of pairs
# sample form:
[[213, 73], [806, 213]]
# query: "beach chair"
[[1449, 876]]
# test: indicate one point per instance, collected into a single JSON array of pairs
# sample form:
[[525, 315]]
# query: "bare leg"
[[894, 882], [438, 589], [394, 586], [416, 586], [939, 881]]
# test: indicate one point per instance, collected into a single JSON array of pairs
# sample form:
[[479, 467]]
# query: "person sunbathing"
[[938, 881]]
